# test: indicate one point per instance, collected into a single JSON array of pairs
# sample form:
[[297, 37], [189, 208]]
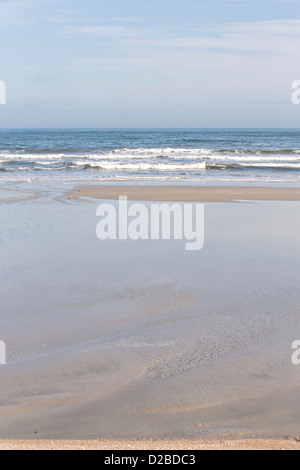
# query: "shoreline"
[[289, 443], [186, 193]]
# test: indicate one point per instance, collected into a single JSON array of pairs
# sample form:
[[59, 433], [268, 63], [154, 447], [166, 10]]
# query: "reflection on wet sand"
[[130, 339]]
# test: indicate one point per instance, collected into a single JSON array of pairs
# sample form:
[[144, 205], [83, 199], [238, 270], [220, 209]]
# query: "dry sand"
[[187, 193], [291, 443]]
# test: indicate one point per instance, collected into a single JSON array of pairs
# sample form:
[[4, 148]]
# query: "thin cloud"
[[274, 37], [99, 31], [108, 62], [18, 12]]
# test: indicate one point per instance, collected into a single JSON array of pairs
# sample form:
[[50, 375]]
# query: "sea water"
[[163, 155]]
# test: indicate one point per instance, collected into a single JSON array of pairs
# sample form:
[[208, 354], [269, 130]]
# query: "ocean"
[[175, 155]]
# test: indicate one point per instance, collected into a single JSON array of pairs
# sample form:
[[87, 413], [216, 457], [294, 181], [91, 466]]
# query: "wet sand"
[[128, 339]]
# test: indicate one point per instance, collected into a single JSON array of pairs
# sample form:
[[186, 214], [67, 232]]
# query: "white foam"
[[143, 166]]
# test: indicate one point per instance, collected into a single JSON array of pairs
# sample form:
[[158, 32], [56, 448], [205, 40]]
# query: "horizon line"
[[149, 128]]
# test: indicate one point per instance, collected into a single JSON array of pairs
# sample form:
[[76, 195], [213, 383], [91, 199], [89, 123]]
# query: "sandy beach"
[[149, 445], [188, 193], [183, 351]]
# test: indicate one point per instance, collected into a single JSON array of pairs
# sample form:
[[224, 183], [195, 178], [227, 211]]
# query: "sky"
[[164, 63]]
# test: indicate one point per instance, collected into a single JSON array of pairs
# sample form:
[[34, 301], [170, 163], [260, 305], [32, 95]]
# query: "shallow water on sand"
[[142, 338]]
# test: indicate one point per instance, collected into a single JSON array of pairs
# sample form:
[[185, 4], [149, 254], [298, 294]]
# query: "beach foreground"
[[141, 339], [184, 444]]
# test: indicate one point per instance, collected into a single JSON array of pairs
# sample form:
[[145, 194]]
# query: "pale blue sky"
[[164, 63]]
